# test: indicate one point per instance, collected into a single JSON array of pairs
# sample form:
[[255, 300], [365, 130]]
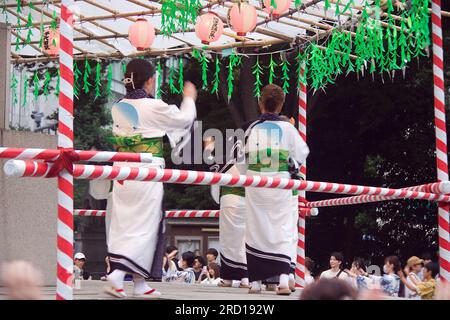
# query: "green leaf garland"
[[36, 86], [87, 72], [109, 80], [13, 87], [98, 80], [25, 85], [257, 71], [272, 66], [216, 79]]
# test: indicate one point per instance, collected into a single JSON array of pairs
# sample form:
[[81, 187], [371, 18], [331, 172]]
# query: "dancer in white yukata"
[[233, 260], [136, 215], [269, 212]]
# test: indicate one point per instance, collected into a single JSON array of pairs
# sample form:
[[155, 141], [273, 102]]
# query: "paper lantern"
[[50, 43], [281, 6], [141, 34], [242, 18], [209, 28]]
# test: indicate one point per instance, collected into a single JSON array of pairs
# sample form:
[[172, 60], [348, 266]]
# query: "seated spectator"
[[212, 274], [211, 255], [336, 267], [199, 263], [187, 275], [78, 268], [309, 267], [329, 289]]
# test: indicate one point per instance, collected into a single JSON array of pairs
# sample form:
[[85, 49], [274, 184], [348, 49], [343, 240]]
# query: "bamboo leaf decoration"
[[285, 77], [58, 82], [98, 80], [159, 91], [47, 80], [257, 71], [204, 63], [216, 79], [171, 80], [109, 80], [87, 72], [177, 15], [76, 78], [26, 82], [13, 87], [233, 62], [272, 66], [36, 86], [180, 75]]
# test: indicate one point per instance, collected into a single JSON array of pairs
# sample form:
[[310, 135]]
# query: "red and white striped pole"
[[64, 287], [302, 104], [441, 136]]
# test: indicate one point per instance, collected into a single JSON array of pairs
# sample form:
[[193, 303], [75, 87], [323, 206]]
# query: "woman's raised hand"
[[189, 90]]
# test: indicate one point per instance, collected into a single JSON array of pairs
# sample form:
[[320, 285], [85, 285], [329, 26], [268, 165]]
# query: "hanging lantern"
[[141, 34], [50, 43], [281, 6], [209, 28], [242, 18]]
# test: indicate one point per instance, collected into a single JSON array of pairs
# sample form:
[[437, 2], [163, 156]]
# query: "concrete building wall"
[[28, 211]]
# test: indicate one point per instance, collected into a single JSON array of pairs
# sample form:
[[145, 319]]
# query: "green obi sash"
[[237, 191], [138, 144], [262, 161]]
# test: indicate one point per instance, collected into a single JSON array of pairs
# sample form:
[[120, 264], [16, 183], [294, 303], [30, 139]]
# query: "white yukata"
[[136, 212], [270, 219], [232, 231]]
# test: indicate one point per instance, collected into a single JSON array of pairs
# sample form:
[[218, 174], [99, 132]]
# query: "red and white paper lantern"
[[50, 43], [281, 6], [141, 34], [242, 18], [209, 28]]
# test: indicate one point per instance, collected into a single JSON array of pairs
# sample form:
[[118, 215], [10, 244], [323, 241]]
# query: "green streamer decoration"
[[41, 38], [98, 80], [233, 62], [58, 82], [327, 5], [257, 71], [87, 72], [159, 92], [171, 79], [19, 6], [272, 66], [47, 80], [36, 86], [204, 63], [17, 43], [76, 79], [285, 77], [348, 6], [180, 75], [109, 80], [29, 26], [26, 82], [13, 87], [216, 79]]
